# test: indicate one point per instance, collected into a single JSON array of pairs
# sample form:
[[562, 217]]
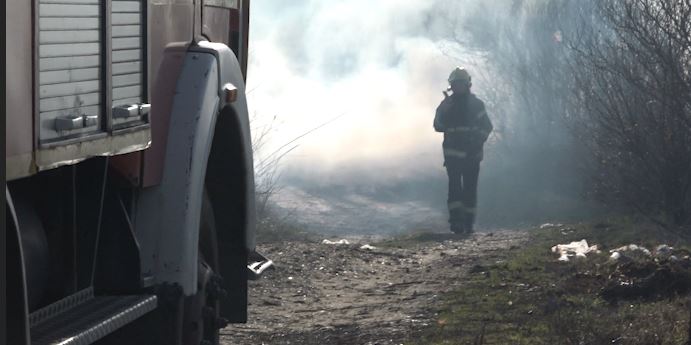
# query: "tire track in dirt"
[[343, 294]]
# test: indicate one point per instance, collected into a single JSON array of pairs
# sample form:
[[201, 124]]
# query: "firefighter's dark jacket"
[[465, 124]]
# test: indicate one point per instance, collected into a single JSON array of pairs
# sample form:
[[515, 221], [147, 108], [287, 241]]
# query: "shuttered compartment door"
[[127, 56], [69, 59]]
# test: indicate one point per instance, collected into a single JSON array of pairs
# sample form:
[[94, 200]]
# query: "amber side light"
[[231, 92]]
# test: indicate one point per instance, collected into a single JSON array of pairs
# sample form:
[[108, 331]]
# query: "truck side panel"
[[169, 23], [19, 135], [216, 24]]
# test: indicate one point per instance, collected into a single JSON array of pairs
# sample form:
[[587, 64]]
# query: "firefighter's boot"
[[457, 228], [457, 219], [468, 222]]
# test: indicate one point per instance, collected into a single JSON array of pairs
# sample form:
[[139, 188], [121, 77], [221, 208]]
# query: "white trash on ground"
[[336, 242], [367, 247], [574, 249], [630, 251], [663, 251], [633, 251], [550, 225]]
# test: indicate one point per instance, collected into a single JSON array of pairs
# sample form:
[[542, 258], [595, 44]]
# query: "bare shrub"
[[631, 68]]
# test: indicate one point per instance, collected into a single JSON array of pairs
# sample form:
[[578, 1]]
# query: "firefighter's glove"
[[446, 105]]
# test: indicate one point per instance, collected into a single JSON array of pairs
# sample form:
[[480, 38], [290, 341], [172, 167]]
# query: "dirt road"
[[349, 294]]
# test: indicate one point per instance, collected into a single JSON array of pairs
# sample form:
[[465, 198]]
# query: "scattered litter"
[[664, 251], [550, 225], [629, 252], [367, 247], [336, 242], [574, 249], [632, 248], [641, 273]]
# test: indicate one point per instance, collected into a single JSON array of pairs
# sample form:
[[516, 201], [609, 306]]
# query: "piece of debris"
[[630, 252], [641, 274], [648, 280], [664, 251], [367, 247], [574, 249], [550, 225], [344, 241]]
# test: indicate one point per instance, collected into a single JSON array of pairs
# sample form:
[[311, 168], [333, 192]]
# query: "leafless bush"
[[266, 166], [594, 88], [631, 66]]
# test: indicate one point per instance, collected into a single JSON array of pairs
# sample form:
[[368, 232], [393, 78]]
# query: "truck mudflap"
[[258, 263]]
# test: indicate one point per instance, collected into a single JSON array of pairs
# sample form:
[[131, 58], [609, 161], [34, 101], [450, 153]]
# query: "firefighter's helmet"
[[459, 73]]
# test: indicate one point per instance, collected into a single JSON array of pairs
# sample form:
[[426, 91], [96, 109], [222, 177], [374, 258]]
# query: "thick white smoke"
[[380, 64]]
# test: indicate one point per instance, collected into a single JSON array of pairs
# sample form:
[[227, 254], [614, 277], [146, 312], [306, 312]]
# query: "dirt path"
[[344, 294]]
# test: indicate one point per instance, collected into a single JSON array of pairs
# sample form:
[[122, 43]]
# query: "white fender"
[[168, 215]]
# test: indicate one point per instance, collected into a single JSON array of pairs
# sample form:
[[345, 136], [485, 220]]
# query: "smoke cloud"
[[378, 64], [377, 70]]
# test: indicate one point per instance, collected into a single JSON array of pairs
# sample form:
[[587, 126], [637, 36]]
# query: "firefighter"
[[465, 124]]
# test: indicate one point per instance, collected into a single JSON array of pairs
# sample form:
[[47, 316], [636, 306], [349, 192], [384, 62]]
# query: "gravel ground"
[[348, 294]]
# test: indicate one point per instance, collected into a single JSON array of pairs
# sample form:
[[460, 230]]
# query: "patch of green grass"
[[419, 237], [531, 298]]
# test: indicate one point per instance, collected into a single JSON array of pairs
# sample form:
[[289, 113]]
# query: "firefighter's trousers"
[[462, 201]]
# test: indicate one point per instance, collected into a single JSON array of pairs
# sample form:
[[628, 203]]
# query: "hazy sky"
[[379, 63]]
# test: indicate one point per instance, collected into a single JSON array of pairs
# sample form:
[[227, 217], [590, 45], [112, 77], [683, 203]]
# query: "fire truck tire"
[[201, 318]]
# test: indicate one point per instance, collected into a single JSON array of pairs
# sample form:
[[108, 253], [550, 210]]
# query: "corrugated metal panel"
[[127, 6], [70, 1], [126, 30], [70, 57], [232, 4], [126, 43], [69, 62], [127, 54], [126, 101], [69, 36], [69, 51], [69, 23], [66, 89], [126, 67], [126, 18], [68, 76], [127, 80], [126, 92], [68, 10], [74, 102]]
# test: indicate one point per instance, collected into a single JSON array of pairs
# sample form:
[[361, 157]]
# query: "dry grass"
[[530, 298]]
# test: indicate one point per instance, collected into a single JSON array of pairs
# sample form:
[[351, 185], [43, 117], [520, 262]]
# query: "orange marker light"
[[231, 92]]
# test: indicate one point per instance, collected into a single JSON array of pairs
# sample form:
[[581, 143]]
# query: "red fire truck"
[[130, 193]]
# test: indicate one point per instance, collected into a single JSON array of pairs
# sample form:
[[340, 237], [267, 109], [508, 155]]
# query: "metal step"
[[83, 318]]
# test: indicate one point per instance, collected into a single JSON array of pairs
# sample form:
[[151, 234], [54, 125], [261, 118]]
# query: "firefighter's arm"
[[440, 115], [484, 125]]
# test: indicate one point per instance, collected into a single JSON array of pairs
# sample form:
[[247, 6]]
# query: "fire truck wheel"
[[202, 318]]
